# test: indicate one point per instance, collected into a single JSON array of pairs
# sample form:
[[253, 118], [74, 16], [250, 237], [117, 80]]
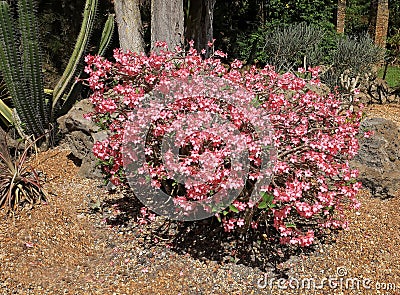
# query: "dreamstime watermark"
[[338, 282], [161, 133]]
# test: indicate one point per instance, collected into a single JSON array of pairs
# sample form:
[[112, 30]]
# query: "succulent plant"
[[20, 184], [21, 67]]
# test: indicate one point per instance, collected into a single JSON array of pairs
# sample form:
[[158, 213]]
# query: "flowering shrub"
[[312, 182]]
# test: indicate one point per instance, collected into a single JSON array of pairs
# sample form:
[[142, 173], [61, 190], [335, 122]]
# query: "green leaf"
[[262, 205], [267, 198], [256, 102], [5, 112], [233, 208], [290, 225]]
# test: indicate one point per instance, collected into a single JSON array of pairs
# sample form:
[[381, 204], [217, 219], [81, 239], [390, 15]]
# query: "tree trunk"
[[199, 23], [379, 21], [167, 22], [129, 22], [340, 16]]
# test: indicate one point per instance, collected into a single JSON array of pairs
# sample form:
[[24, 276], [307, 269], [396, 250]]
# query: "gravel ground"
[[387, 111], [73, 246]]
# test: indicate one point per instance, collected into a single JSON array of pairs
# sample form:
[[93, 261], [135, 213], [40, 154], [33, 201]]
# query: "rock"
[[75, 121], [6, 139], [89, 169], [378, 159], [80, 144], [321, 89], [80, 134]]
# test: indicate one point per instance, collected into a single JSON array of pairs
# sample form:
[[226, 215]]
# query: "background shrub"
[[357, 56]]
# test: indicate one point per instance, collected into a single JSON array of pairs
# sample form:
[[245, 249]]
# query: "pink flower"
[[220, 53], [240, 222], [313, 140]]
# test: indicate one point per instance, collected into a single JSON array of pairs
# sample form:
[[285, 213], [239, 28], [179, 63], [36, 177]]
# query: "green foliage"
[[357, 17], [392, 76], [312, 12], [19, 183], [295, 45], [354, 55], [289, 47], [239, 24], [394, 18], [393, 43]]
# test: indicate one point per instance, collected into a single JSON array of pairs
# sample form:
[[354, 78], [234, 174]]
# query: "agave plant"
[[19, 182]]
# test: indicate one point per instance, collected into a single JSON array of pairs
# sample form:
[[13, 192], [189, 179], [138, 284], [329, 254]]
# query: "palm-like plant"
[[19, 182]]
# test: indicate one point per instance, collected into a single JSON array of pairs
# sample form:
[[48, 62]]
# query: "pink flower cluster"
[[312, 180]]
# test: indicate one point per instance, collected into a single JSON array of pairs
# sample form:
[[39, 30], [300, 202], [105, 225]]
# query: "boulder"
[[378, 159], [80, 134], [74, 120]]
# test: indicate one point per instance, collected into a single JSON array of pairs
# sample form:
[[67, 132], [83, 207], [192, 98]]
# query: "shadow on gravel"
[[206, 240]]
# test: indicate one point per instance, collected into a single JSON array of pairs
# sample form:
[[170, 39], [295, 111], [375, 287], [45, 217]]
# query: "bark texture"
[[341, 16], [379, 21], [199, 23], [129, 23], [167, 22]]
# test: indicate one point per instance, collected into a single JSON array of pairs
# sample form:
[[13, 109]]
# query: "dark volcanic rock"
[[378, 159]]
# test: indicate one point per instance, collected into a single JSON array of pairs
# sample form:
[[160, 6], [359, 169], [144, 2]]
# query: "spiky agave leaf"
[[5, 110], [5, 113], [19, 183]]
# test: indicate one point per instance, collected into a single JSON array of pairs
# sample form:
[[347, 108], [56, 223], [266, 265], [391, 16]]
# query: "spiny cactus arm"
[[107, 34], [9, 57], [105, 41], [80, 47], [11, 66], [35, 103]]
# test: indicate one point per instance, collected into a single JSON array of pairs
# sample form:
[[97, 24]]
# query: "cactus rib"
[[80, 47], [107, 34]]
